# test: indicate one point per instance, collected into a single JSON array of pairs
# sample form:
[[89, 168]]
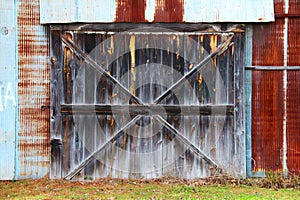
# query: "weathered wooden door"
[[146, 102]]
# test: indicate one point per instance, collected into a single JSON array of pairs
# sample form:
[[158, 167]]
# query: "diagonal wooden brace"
[[97, 67], [218, 51], [183, 139], [112, 139]]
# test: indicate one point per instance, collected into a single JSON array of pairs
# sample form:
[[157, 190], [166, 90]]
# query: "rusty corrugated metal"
[[294, 7], [66, 11], [175, 10], [293, 95], [279, 6], [267, 97], [130, 11], [33, 90]]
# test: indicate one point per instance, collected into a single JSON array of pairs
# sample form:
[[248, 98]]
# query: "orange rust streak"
[[293, 98], [131, 11], [267, 97], [33, 90], [169, 11]]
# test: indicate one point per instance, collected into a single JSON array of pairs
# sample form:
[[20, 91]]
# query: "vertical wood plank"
[[56, 96], [239, 129]]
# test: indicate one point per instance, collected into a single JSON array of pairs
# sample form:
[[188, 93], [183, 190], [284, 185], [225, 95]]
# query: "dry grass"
[[164, 188]]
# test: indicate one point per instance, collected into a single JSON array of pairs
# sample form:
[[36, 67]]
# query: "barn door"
[[146, 103]]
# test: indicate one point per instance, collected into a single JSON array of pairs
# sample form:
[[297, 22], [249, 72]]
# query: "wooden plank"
[[55, 99], [239, 129], [196, 28]]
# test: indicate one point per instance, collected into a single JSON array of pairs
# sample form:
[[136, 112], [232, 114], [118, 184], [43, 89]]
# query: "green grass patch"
[[130, 189]]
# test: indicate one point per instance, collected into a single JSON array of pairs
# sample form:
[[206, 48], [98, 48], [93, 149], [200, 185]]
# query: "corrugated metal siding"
[[130, 10], [294, 7], [66, 11], [293, 94], [175, 10], [276, 94], [267, 97], [8, 85], [279, 6], [33, 53]]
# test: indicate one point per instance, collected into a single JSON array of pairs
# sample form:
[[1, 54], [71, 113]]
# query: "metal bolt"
[[4, 31], [53, 60]]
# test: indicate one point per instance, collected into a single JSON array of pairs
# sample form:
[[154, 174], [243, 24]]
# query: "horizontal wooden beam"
[[120, 27], [156, 109]]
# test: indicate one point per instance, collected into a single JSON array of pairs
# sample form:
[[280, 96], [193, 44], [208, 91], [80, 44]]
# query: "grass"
[[136, 189]]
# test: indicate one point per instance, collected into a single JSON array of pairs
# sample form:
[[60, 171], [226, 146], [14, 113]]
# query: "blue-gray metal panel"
[[248, 95], [8, 83], [229, 11], [66, 11], [58, 11]]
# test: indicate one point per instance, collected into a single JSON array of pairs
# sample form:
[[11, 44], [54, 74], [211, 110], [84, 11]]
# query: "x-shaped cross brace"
[[161, 120]]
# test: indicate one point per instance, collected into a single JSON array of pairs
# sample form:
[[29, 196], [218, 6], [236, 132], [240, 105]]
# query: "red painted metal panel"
[[169, 11], [293, 97], [33, 91], [267, 97], [130, 11]]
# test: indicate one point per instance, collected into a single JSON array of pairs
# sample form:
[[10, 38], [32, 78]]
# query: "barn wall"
[[25, 125]]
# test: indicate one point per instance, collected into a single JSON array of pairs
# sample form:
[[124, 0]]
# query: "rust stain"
[[279, 6], [267, 112], [130, 11], [33, 91], [268, 44], [294, 42], [169, 11], [267, 97], [293, 122], [294, 7], [293, 97]]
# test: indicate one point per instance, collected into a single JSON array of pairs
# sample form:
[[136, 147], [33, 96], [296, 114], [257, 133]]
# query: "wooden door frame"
[[57, 110]]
